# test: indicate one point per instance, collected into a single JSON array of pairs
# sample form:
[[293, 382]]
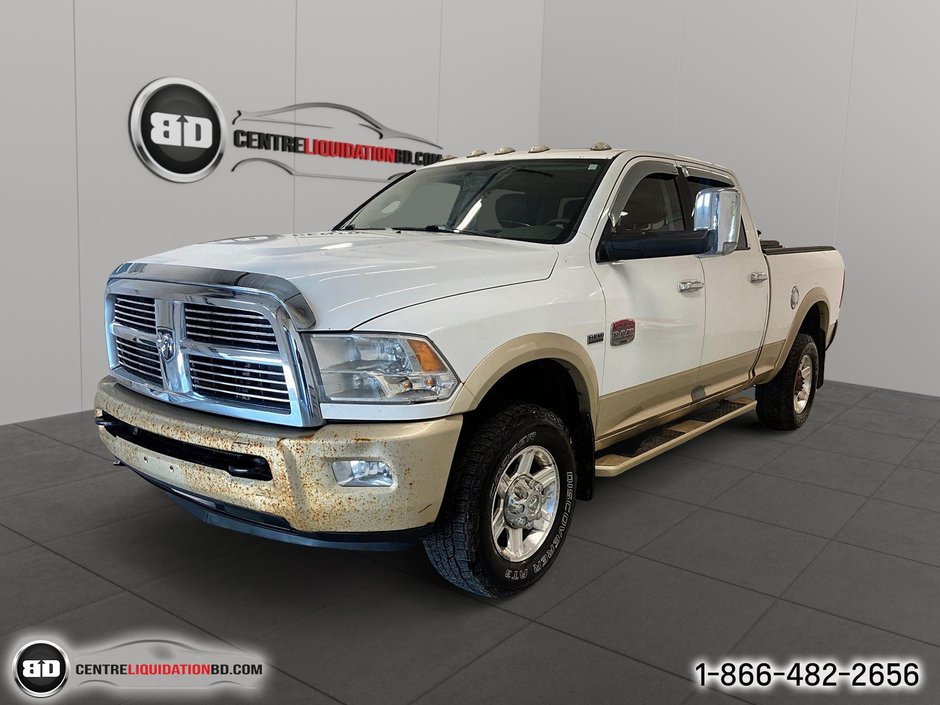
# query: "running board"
[[665, 438]]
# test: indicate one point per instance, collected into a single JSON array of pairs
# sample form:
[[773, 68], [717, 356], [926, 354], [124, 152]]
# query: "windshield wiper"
[[425, 228], [449, 229]]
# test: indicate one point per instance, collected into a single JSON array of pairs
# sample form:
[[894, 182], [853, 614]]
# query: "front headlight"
[[391, 369]]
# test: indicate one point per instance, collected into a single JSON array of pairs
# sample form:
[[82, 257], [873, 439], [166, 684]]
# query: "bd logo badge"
[[177, 130], [40, 669]]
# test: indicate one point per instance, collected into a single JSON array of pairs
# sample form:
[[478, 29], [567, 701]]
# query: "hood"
[[351, 277]]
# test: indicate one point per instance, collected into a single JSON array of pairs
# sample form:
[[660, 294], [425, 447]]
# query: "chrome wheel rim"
[[803, 385], [525, 503]]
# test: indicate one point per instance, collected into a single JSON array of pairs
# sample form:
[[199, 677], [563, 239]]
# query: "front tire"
[[509, 503], [785, 401]]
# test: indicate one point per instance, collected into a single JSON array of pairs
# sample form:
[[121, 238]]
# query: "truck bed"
[[807, 270]]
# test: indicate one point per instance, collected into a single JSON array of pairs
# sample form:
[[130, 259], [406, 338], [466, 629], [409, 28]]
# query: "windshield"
[[535, 200]]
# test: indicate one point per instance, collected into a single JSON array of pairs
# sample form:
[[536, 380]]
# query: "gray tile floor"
[[743, 542]]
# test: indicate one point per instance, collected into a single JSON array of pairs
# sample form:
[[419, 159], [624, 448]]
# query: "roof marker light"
[[477, 153], [538, 148], [504, 150]]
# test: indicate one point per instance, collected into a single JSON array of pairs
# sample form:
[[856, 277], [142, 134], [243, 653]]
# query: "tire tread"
[[775, 398], [451, 547]]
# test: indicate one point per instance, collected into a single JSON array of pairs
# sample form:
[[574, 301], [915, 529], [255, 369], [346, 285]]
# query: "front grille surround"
[[232, 352]]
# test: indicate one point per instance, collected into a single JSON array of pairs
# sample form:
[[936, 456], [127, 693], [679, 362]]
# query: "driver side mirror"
[[718, 211]]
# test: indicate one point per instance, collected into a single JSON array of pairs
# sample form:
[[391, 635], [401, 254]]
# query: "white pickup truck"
[[462, 355]]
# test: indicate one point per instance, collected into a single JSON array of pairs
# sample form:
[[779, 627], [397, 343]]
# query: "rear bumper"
[[301, 502]]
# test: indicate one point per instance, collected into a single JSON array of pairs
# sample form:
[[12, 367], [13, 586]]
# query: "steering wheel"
[[560, 222], [514, 224]]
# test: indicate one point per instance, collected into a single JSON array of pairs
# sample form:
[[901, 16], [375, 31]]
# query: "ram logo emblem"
[[166, 345]]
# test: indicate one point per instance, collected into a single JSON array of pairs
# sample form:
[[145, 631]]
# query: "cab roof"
[[604, 152]]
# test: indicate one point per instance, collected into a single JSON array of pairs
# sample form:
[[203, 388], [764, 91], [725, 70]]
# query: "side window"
[[653, 207], [697, 183]]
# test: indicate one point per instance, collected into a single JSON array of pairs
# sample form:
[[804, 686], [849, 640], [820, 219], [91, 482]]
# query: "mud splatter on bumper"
[[302, 489]]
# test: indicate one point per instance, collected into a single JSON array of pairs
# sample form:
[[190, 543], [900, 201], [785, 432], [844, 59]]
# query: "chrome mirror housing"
[[718, 210]]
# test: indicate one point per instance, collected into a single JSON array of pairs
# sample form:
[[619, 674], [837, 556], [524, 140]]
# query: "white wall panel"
[[609, 72], [763, 90], [378, 57], [40, 351], [889, 335], [491, 71]]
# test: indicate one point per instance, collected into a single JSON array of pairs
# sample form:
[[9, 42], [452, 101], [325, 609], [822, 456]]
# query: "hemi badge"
[[595, 338], [622, 332]]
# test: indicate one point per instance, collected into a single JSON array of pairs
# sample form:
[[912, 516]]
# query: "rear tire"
[[509, 503], [784, 403]]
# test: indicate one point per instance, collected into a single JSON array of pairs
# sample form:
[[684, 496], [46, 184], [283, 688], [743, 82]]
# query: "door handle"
[[691, 285], [758, 277]]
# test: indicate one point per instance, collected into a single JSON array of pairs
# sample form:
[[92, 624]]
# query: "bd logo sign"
[[183, 130], [177, 130], [40, 669]]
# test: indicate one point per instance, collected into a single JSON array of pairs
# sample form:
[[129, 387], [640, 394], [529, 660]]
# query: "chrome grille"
[[232, 327], [136, 312], [237, 380], [139, 358], [220, 348]]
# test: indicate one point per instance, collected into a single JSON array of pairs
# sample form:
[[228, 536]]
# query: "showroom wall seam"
[[675, 134], [845, 126], [440, 70], [538, 118], [78, 206], [293, 178]]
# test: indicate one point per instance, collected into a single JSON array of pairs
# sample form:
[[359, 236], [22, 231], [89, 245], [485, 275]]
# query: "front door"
[[655, 307]]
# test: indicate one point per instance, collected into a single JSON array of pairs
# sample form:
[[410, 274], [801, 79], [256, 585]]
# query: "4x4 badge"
[[623, 331]]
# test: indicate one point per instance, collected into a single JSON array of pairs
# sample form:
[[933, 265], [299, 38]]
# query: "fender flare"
[[530, 348], [814, 296]]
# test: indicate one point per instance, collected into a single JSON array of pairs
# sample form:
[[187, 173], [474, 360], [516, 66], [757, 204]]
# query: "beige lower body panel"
[[769, 356], [630, 411], [302, 489], [716, 377], [620, 411]]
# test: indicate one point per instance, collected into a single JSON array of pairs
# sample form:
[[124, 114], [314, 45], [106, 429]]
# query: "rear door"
[[737, 289], [655, 307]]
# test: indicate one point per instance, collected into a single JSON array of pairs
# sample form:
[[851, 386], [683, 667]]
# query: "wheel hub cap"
[[803, 384], [525, 503]]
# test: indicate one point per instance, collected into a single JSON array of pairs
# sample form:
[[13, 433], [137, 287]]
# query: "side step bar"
[[665, 438]]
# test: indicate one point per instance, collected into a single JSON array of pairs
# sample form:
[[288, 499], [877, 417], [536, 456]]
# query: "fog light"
[[362, 473]]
